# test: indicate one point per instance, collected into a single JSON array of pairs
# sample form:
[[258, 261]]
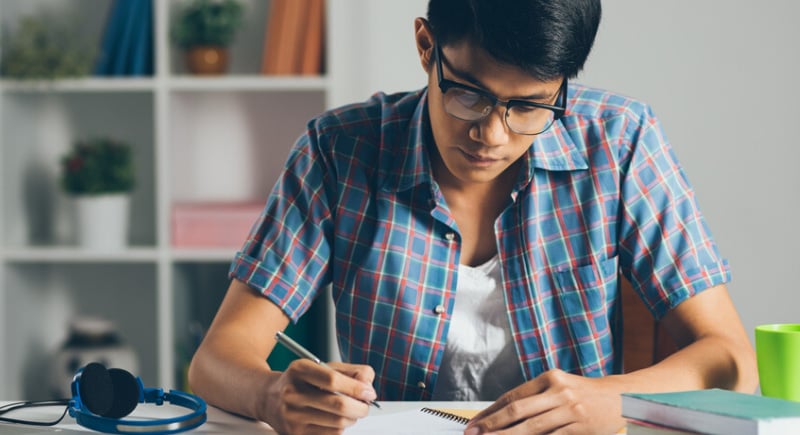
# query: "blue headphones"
[[102, 397]]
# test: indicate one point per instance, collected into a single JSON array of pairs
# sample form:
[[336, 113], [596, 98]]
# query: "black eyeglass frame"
[[445, 84]]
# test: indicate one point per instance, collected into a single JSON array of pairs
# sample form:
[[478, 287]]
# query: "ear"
[[424, 38]]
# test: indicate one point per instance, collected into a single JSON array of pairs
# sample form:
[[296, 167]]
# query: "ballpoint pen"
[[302, 352]]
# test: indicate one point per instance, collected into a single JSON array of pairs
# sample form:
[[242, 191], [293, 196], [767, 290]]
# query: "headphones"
[[102, 397]]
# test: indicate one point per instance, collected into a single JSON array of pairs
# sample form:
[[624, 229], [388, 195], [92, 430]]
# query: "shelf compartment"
[[87, 25], [198, 290], [232, 146], [53, 294], [38, 129], [246, 49]]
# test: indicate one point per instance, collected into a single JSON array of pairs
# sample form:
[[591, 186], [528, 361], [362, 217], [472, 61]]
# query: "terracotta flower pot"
[[207, 60]]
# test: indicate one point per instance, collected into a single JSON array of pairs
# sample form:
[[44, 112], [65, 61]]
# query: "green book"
[[715, 411]]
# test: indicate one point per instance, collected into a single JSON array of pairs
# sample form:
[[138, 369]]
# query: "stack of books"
[[712, 411], [294, 39]]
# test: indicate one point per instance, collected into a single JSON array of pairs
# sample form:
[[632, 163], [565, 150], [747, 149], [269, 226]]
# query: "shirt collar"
[[410, 165], [553, 150]]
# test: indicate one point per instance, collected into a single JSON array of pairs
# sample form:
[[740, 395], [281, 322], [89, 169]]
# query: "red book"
[[213, 224]]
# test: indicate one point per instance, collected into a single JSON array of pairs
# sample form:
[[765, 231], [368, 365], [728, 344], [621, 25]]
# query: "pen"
[[302, 352]]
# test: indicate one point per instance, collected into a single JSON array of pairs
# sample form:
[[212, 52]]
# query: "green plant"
[[45, 48], [207, 22], [96, 166]]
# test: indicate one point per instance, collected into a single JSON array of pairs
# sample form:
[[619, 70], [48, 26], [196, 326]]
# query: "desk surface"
[[221, 422]]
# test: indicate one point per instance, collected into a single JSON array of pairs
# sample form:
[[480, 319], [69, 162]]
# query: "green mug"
[[778, 354]]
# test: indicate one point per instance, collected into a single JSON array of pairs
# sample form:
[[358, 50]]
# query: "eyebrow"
[[478, 84]]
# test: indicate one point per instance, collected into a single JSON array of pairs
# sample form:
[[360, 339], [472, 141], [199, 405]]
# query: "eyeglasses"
[[472, 104]]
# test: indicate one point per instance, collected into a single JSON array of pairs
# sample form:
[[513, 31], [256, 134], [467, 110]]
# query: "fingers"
[[334, 381], [302, 420], [343, 382], [313, 398], [537, 414], [316, 399], [530, 388], [522, 420], [324, 409], [363, 373], [543, 405], [332, 403]]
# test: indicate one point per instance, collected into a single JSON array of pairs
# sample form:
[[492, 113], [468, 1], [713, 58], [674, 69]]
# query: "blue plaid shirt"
[[599, 194]]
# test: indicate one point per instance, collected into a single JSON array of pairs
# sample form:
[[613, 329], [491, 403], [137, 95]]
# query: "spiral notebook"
[[429, 421]]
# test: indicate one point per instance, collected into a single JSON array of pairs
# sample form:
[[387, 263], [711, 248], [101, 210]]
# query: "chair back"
[[644, 341]]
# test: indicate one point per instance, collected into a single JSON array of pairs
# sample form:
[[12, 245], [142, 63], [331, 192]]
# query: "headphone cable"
[[30, 404]]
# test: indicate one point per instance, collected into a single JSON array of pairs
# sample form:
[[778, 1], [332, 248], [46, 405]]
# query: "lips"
[[478, 158]]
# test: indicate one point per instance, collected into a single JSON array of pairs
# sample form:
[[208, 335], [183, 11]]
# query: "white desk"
[[221, 422]]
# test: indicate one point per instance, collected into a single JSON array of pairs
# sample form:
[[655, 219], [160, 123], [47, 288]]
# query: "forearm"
[[556, 399], [231, 379], [715, 351], [229, 369], [708, 362]]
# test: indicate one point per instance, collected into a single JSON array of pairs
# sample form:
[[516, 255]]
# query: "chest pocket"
[[587, 298]]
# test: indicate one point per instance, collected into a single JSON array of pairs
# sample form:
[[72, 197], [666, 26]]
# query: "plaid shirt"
[[599, 194]]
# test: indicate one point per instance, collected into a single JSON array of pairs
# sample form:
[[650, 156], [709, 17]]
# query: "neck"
[[498, 187]]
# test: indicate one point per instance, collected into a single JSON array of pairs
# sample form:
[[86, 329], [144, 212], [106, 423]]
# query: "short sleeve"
[[286, 255], [666, 247]]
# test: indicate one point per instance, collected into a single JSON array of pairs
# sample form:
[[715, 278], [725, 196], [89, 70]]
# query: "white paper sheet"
[[411, 422]]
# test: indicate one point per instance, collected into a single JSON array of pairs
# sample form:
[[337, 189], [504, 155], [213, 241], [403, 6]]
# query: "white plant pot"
[[102, 221]]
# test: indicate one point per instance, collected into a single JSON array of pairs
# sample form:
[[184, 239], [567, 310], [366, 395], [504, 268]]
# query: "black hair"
[[547, 38]]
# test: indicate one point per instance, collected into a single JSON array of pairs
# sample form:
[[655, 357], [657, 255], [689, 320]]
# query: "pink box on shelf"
[[213, 224]]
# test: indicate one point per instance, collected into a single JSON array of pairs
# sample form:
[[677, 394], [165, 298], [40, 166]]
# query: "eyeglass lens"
[[470, 106]]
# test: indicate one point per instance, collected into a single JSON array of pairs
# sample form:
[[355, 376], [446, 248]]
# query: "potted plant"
[[99, 174], [204, 29], [45, 48]]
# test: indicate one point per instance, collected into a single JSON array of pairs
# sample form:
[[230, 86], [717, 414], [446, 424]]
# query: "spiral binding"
[[447, 415]]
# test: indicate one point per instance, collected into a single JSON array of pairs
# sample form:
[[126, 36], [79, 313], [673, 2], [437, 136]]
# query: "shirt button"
[[439, 309], [421, 385], [450, 236]]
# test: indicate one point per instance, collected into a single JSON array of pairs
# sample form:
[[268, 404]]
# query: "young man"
[[474, 233]]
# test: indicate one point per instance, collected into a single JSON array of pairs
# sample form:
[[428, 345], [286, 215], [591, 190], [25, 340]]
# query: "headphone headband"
[[86, 417], [160, 426]]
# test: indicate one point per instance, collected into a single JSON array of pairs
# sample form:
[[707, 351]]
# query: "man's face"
[[480, 151]]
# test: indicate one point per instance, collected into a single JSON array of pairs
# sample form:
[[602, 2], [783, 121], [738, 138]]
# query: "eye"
[[523, 109], [468, 99]]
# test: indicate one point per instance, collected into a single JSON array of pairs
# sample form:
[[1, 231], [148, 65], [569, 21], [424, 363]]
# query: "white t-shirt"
[[479, 362]]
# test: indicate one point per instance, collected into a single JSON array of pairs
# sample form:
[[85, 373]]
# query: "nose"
[[491, 130]]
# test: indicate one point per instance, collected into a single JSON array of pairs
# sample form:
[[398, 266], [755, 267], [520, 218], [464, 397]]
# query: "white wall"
[[722, 77], [380, 54]]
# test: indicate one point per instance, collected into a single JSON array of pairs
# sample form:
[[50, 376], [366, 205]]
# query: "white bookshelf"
[[195, 139]]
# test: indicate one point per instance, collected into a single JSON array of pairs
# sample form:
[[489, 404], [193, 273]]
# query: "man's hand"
[[308, 398], [553, 403]]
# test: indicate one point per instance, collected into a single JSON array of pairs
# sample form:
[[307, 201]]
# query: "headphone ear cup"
[[95, 388], [126, 393]]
